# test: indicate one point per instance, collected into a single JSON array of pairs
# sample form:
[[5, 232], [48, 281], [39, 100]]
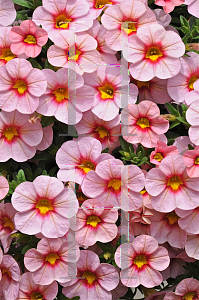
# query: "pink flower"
[[18, 137], [98, 279], [7, 13], [9, 284], [188, 288], [192, 246], [94, 223], [115, 185], [21, 86], [141, 260], [193, 7], [52, 260], [181, 86], [189, 220], [169, 6], [44, 205], [63, 15], [161, 151], [119, 291], [97, 6], [5, 51], [76, 158], [7, 226], [27, 38], [107, 132], [47, 138], [154, 52], [66, 96], [143, 123], [171, 187], [74, 51], [110, 91], [192, 116], [29, 290], [182, 143], [4, 187], [191, 160], [123, 20]]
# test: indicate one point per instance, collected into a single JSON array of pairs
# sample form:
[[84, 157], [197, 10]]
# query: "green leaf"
[[21, 16], [21, 176], [184, 24], [174, 124], [47, 121], [44, 172], [186, 37], [190, 147], [183, 120], [172, 110], [24, 3], [25, 249], [105, 150], [35, 64], [184, 107]]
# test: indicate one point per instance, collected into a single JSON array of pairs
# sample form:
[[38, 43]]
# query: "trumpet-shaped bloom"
[[187, 289], [154, 52], [76, 158], [74, 51], [66, 96], [5, 51], [52, 260], [47, 138], [107, 132], [189, 220], [97, 6], [4, 187], [192, 116], [7, 12], [171, 187], [143, 124], [29, 290], [18, 137], [63, 15], [94, 223], [191, 160], [21, 86], [192, 246], [141, 260], [94, 280], [193, 7], [123, 20], [169, 6], [115, 185], [181, 86], [161, 151], [182, 143], [27, 38], [44, 205], [110, 91]]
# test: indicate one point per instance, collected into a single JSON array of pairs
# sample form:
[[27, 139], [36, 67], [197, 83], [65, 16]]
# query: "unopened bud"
[[107, 255], [169, 117]]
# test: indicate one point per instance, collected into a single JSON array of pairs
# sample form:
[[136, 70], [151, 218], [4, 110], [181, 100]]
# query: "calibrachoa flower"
[[192, 246], [21, 86], [161, 151], [47, 138], [154, 52], [143, 123], [5, 51], [123, 20], [18, 137], [191, 160], [9, 284], [107, 132], [115, 185], [193, 7], [96, 6], [180, 87], [141, 260], [4, 187], [169, 6], [192, 116], [189, 220], [29, 290], [74, 51], [7, 12], [76, 158], [110, 91], [44, 205], [27, 38], [63, 15], [94, 223], [182, 143], [66, 96], [52, 260], [171, 187], [99, 279], [7, 227], [187, 289], [162, 17]]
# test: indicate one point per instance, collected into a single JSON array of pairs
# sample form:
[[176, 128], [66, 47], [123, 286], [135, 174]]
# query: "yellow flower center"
[[107, 91], [10, 132], [7, 54], [115, 183], [52, 258], [172, 217], [174, 182], [189, 296], [129, 26], [196, 161], [140, 261], [153, 53], [30, 39], [36, 296], [73, 54], [89, 276], [143, 191], [44, 206], [61, 94], [8, 223], [93, 221], [87, 166], [5, 271], [143, 123], [62, 22], [103, 132], [191, 82], [21, 86], [158, 156], [141, 84], [101, 3]]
